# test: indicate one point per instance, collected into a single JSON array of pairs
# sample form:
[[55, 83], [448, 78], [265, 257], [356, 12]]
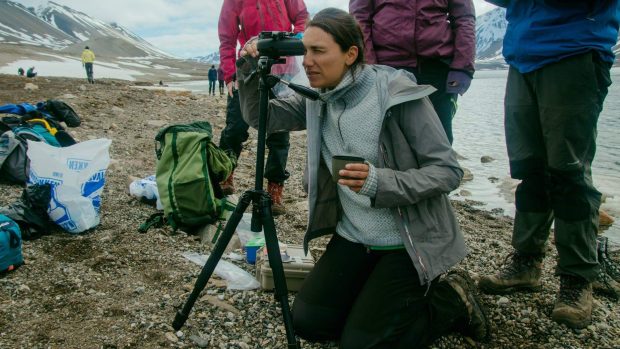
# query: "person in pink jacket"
[[433, 39], [239, 21]]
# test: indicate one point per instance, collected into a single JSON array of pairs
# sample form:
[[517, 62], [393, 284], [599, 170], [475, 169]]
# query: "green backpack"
[[189, 169]]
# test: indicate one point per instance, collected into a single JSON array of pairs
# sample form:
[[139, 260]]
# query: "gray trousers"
[[550, 122]]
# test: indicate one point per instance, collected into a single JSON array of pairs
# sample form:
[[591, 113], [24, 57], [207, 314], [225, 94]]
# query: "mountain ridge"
[[62, 28]]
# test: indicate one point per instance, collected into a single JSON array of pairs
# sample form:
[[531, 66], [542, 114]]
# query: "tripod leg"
[[275, 262], [214, 258]]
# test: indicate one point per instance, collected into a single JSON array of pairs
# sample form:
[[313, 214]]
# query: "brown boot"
[[276, 190], [604, 219], [522, 272], [228, 187], [477, 325], [573, 306]]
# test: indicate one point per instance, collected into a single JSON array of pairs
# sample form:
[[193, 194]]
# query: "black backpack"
[[60, 111]]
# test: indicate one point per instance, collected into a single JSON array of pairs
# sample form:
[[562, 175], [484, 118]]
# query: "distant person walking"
[[434, 40], [560, 55], [31, 73], [88, 58], [20, 71], [212, 80], [220, 79]]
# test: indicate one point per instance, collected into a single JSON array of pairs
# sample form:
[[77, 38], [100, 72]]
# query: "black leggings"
[[372, 299]]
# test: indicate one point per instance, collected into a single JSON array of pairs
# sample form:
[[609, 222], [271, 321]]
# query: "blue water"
[[479, 130]]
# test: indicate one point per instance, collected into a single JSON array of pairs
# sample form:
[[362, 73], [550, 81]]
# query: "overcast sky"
[[185, 28]]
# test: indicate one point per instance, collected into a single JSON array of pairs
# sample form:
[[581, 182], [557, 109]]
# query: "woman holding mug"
[[393, 229]]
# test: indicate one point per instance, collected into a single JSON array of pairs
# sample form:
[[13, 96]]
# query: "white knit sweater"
[[350, 126]]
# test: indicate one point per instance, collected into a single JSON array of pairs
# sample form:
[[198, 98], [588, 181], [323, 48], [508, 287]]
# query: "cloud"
[[185, 28]]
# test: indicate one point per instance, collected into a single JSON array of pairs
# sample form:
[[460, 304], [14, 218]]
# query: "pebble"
[[200, 341], [503, 301], [486, 159], [171, 337]]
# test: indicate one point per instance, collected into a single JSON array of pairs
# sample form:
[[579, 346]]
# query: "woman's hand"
[[250, 48], [356, 175]]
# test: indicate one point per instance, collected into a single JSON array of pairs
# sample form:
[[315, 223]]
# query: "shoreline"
[[115, 288]]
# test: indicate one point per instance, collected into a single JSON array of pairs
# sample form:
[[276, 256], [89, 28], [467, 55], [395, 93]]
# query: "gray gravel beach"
[[113, 287]]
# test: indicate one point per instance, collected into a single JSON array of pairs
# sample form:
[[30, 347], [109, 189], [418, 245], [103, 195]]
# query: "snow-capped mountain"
[[62, 28], [21, 25], [211, 58], [490, 30]]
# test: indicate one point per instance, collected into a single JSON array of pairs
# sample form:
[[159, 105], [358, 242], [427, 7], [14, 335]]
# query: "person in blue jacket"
[[212, 80], [560, 55]]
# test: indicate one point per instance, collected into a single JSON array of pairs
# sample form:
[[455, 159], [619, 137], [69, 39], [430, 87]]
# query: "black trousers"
[[551, 116], [435, 73], [236, 132], [372, 299], [221, 86]]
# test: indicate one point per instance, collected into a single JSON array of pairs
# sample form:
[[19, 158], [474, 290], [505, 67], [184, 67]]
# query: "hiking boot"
[[275, 190], [573, 306], [521, 273], [228, 187], [607, 286], [477, 326], [604, 219], [607, 265]]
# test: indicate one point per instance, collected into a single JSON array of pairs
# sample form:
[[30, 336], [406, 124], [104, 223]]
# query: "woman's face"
[[324, 61]]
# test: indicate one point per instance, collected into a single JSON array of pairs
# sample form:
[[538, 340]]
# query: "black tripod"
[[261, 212]]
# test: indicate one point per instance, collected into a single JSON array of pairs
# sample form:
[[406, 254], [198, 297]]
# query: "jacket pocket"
[[431, 225]]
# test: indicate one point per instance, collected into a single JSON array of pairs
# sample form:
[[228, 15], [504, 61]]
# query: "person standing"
[[212, 80], [560, 55], [88, 58], [239, 21], [220, 79], [436, 42]]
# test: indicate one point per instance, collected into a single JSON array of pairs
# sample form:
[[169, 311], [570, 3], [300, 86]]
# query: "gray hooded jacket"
[[417, 167]]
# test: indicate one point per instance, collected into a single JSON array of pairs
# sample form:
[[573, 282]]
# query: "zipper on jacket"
[[408, 233]]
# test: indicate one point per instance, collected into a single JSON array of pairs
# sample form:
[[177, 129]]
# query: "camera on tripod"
[[279, 44]]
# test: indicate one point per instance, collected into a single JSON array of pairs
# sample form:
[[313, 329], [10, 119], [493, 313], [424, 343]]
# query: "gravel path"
[[116, 288]]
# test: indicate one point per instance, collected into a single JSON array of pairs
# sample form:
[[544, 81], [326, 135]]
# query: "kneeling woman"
[[394, 231]]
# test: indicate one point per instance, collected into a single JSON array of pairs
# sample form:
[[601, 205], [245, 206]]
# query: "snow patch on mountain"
[[490, 31]]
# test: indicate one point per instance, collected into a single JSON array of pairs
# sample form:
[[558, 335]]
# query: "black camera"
[[279, 44]]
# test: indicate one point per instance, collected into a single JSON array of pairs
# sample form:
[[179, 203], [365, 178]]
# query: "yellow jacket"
[[88, 56]]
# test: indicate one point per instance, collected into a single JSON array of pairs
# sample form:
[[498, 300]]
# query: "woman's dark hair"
[[343, 28]]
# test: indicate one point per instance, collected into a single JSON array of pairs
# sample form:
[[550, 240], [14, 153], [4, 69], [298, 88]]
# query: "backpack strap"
[[45, 124], [156, 220]]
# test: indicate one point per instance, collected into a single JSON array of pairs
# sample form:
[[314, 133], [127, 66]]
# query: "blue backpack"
[[10, 245]]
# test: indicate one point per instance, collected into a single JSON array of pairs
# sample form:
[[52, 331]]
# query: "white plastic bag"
[[238, 279], [77, 175], [146, 188]]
